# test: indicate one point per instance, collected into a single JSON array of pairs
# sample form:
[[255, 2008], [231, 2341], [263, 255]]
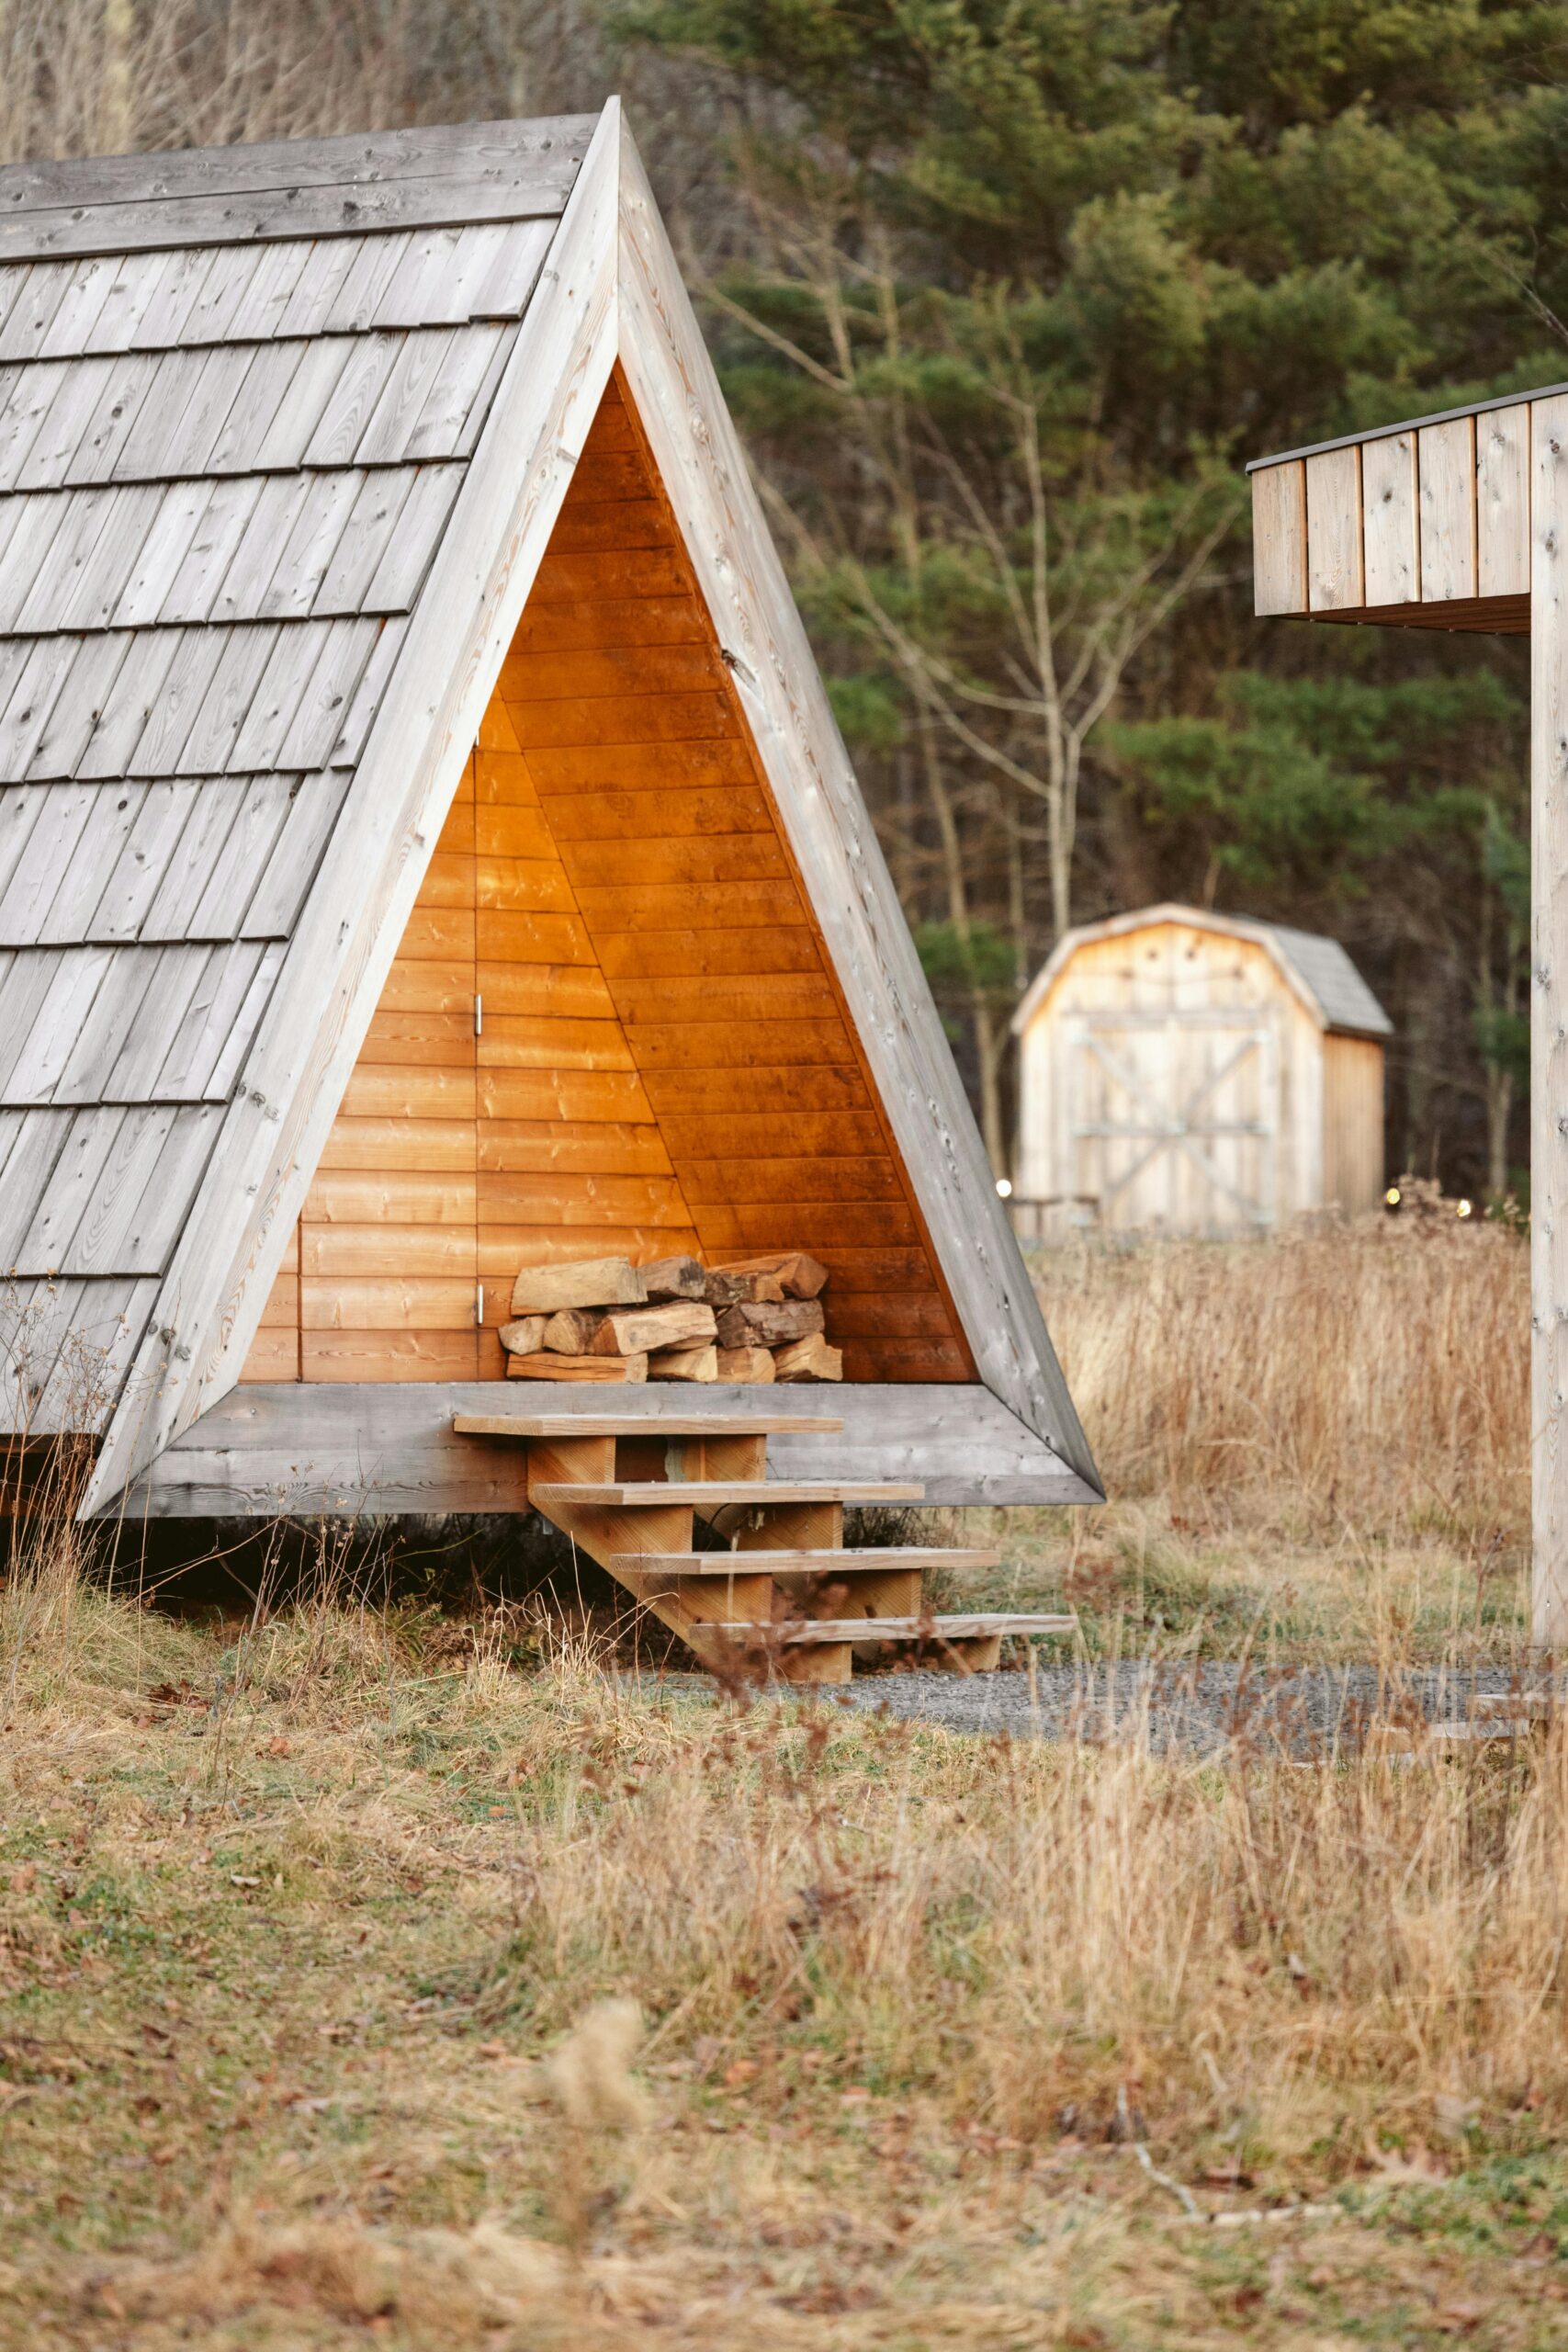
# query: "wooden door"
[[1175, 1116]]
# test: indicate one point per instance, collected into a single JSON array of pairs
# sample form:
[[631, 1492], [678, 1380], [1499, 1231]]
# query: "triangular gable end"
[[611, 1024], [609, 291]]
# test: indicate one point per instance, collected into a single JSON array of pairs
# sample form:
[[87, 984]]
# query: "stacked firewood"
[[607, 1320]]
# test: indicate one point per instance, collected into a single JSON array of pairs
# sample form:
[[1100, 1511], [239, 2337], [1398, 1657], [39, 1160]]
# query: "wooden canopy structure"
[[1459, 521], [426, 849]]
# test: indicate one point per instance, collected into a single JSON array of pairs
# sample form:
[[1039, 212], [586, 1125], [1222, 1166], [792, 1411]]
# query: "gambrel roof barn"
[[1185, 1071], [425, 848]]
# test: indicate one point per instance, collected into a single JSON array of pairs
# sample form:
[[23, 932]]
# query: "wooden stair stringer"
[[606, 1531], [630, 1499]]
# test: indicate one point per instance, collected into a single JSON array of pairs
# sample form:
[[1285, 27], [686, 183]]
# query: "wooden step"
[[709, 1493], [654, 1425], [800, 1564], [790, 1634]]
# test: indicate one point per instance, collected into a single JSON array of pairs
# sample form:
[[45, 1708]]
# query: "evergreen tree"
[[1014, 290]]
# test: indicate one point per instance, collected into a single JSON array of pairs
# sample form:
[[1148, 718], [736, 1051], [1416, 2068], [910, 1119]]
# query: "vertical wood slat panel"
[[1279, 539], [1503, 502], [1334, 531], [1549, 1021], [1446, 457], [1390, 528]]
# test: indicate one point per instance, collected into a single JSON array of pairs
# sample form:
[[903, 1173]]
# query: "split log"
[[809, 1359], [684, 1363], [524, 1337], [672, 1278], [770, 1326], [745, 1363], [633, 1330], [592, 1282], [548, 1367], [799, 1275], [724, 1287], [573, 1331]]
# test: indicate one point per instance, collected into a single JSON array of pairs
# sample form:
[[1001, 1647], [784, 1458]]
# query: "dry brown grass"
[[1315, 1445], [1373, 1374], [288, 1960], [356, 1985]]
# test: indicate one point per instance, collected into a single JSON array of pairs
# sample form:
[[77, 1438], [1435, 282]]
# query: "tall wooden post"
[[1549, 1021]]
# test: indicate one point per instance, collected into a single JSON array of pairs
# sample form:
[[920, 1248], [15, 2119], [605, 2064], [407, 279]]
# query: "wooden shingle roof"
[[284, 434], [240, 393]]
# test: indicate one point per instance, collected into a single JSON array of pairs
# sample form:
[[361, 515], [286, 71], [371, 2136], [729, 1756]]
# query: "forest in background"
[[1005, 293]]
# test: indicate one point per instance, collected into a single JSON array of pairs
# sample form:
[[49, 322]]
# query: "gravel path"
[[1198, 1709]]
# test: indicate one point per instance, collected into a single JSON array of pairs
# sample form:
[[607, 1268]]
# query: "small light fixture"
[[1392, 1198], [1004, 1188], [1463, 1208]]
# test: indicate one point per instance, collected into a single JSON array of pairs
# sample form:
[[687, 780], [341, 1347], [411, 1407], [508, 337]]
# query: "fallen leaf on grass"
[[1396, 2164], [240, 1878]]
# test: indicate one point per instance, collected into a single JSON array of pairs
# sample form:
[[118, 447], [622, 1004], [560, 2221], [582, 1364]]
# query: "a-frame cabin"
[[425, 853]]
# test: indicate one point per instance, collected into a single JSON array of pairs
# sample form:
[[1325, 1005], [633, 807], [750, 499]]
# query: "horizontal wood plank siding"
[[400, 1161], [663, 1062], [711, 960]]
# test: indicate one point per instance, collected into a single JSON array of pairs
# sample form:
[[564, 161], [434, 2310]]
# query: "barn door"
[[1175, 1118]]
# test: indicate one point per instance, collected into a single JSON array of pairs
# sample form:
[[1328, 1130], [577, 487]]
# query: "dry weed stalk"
[[590, 2080]]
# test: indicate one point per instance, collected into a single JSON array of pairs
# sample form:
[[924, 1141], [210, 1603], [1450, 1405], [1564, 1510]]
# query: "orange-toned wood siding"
[[274, 1352], [664, 1061], [571, 1163], [389, 1234]]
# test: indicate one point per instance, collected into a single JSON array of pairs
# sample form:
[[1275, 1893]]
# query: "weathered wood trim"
[[1549, 1021], [458, 173], [1334, 531], [1503, 504], [211, 1300], [1446, 462], [1390, 523], [1279, 539], [1407, 424], [354, 1450], [682, 410]]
